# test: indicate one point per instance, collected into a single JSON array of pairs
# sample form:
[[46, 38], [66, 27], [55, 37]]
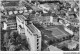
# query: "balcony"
[[21, 30]]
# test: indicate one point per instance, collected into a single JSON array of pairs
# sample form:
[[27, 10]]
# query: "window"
[[37, 47], [25, 22], [37, 36], [37, 40], [37, 43]]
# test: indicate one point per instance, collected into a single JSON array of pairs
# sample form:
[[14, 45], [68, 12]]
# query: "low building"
[[71, 44], [53, 48], [44, 7], [45, 20], [68, 30], [15, 12]]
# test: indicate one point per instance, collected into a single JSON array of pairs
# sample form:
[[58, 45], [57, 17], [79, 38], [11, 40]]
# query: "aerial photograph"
[[39, 25]]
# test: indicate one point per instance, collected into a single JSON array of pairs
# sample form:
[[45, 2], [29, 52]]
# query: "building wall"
[[30, 36], [10, 25], [5, 26], [33, 39], [68, 30], [21, 23], [39, 45]]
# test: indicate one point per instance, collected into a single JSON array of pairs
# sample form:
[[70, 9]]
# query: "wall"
[[31, 39], [68, 30]]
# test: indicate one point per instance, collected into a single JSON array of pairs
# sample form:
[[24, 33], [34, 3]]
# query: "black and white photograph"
[[39, 25]]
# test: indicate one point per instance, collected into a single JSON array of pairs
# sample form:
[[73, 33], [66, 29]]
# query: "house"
[[53, 48], [71, 44], [74, 21], [44, 7]]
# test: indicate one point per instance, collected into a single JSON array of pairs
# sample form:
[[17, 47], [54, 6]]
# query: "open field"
[[57, 32]]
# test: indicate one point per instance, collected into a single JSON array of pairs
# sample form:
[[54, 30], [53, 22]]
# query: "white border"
[[42, 52]]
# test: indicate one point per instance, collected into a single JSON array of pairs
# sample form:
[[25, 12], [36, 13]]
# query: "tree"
[[12, 48], [50, 42], [6, 36]]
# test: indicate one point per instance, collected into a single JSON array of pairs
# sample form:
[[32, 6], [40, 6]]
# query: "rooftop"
[[73, 20], [53, 48], [10, 0], [45, 5], [32, 28], [10, 3], [53, 6], [11, 20], [22, 17], [35, 8]]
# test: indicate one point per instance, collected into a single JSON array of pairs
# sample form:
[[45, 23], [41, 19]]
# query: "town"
[[39, 25]]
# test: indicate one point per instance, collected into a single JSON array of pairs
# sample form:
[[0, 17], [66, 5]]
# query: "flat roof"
[[35, 8], [11, 20], [22, 17], [45, 5], [32, 28]]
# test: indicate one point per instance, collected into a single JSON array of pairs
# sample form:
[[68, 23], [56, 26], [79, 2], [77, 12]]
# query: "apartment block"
[[9, 24], [33, 35]]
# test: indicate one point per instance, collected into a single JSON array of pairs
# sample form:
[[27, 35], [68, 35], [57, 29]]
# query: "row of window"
[[11, 24], [13, 27], [49, 23], [37, 43]]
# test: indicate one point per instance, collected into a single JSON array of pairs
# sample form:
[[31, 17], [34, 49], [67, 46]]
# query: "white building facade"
[[33, 35], [10, 24]]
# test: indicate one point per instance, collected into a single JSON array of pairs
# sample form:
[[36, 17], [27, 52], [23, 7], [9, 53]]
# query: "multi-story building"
[[33, 35], [20, 19], [45, 20], [9, 24]]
